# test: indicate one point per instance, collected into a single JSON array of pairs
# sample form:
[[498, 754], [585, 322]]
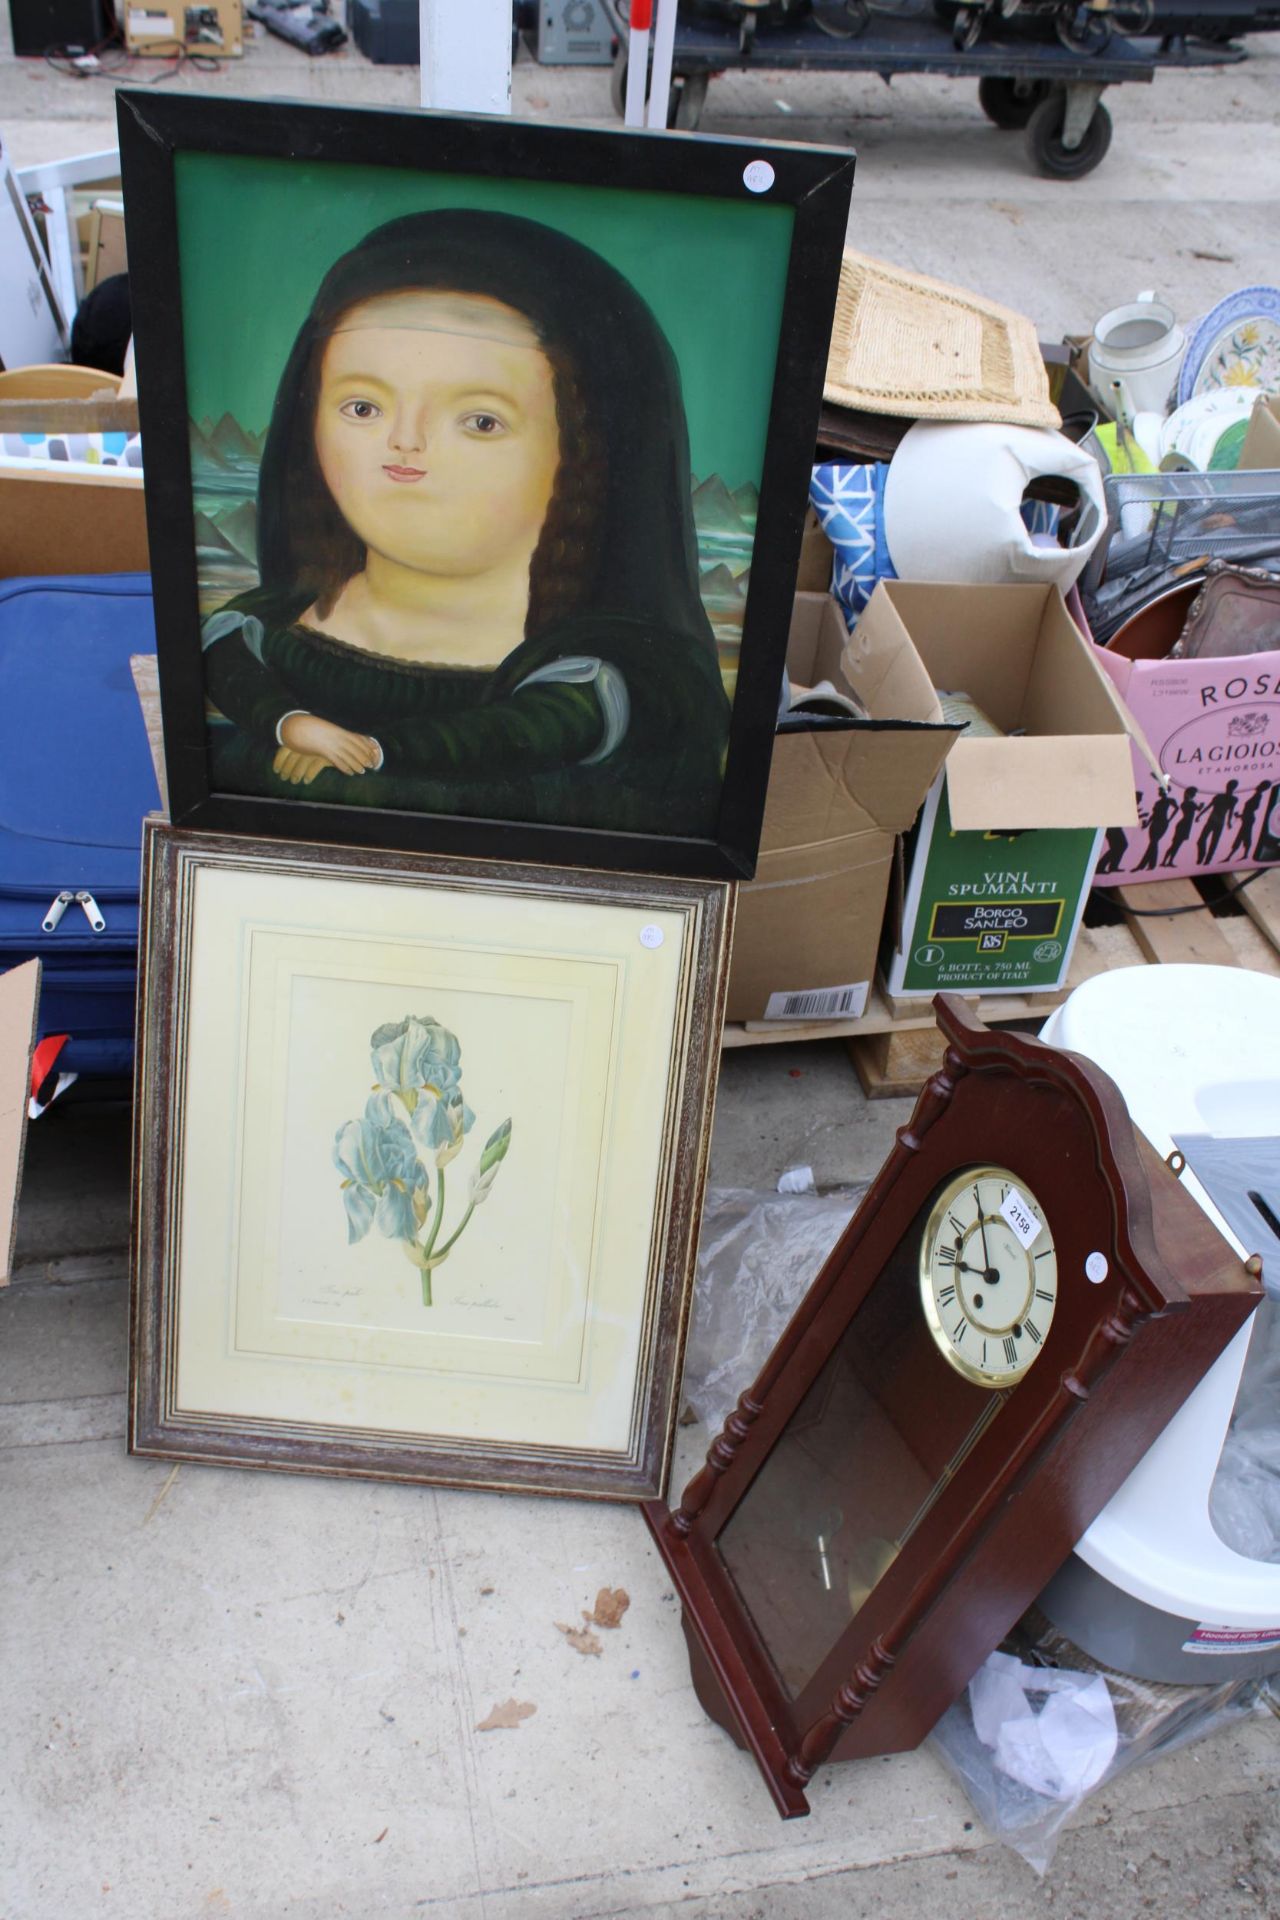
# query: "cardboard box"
[[105, 253], [214, 29], [1215, 728], [817, 557], [1000, 863], [808, 925], [55, 522], [1261, 447]]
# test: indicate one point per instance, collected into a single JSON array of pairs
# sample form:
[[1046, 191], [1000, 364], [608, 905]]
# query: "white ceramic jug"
[[1135, 357], [953, 504]]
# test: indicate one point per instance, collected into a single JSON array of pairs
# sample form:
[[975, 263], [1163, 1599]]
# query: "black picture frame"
[[814, 182]]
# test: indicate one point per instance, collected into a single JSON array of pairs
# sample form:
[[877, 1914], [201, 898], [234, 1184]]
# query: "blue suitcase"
[[76, 779]]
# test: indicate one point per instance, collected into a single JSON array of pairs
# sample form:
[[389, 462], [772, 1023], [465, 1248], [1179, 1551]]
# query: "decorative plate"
[[1236, 344], [1194, 433]]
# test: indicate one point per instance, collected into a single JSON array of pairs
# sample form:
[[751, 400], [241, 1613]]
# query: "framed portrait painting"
[[419, 1156], [476, 458]]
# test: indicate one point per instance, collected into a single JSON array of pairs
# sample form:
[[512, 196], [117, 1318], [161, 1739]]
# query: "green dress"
[[599, 721]]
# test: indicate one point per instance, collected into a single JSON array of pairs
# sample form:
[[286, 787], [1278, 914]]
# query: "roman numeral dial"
[[988, 1275]]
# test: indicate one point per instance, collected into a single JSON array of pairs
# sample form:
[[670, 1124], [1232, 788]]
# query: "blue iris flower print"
[[415, 1124]]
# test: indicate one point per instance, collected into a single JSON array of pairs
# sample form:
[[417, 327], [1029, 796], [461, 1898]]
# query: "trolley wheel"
[[690, 99], [618, 93], [618, 82], [1044, 139], [1010, 103], [1133, 17], [966, 28], [845, 19], [1083, 29]]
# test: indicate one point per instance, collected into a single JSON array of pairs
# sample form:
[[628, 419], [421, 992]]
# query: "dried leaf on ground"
[[611, 1604], [581, 1639], [509, 1714]]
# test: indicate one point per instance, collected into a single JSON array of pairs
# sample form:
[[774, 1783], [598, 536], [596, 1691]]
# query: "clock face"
[[988, 1275]]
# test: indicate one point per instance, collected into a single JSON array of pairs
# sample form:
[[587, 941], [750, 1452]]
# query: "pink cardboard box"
[[1215, 728]]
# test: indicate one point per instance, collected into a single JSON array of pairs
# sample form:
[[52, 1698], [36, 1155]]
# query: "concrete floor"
[[257, 1696]]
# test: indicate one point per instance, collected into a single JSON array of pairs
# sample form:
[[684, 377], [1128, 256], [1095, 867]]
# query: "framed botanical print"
[[477, 455], [420, 1147]]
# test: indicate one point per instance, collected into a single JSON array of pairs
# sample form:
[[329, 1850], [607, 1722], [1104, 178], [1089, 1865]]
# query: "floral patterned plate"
[[1237, 344]]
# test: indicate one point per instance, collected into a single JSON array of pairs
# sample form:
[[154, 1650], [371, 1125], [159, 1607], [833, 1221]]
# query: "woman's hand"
[[309, 745]]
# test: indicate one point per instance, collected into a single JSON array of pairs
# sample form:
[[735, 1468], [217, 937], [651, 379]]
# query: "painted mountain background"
[[224, 481], [224, 477]]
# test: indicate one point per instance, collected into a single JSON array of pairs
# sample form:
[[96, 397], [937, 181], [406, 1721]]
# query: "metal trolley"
[[1039, 69]]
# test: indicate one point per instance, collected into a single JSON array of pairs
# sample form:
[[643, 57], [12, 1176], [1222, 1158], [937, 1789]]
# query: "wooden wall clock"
[[1021, 1302]]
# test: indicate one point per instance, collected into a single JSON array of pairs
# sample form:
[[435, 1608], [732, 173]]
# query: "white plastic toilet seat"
[[1193, 1049]]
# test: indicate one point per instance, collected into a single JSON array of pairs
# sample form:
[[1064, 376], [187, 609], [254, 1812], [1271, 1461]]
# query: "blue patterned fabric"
[[849, 502]]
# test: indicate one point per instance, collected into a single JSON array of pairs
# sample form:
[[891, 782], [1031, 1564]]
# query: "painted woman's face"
[[436, 430]]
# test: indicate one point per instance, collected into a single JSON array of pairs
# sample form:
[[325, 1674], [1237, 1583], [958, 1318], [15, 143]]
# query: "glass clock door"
[[863, 1458]]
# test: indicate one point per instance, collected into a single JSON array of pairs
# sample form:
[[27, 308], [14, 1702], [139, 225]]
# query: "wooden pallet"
[[895, 1045]]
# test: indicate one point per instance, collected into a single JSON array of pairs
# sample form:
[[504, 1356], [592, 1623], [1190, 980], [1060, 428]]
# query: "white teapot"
[[1135, 357]]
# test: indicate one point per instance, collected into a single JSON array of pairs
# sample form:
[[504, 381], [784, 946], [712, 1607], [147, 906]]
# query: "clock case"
[[1119, 1359]]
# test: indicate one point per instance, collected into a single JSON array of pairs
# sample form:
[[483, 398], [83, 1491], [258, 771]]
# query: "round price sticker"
[[651, 936], [758, 176]]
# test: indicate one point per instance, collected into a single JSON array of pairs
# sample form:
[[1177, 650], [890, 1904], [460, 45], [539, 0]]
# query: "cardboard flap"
[[1261, 449], [825, 786], [979, 640], [809, 800], [829, 783], [19, 996], [892, 770], [879, 661], [1055, 780]]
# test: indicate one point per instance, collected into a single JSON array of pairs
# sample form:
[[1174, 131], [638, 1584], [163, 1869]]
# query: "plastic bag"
[[1026, 1757], [758, 1254], [1146, 1721]]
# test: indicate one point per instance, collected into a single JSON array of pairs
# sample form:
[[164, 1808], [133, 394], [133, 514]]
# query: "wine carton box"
[[1214, 726], [999, 864]]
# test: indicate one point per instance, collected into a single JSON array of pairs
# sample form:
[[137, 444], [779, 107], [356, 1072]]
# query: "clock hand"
[[982, 1228], [988, 1274]]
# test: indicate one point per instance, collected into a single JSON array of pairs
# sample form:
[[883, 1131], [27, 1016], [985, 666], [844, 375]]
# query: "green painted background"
[[257, 236]]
